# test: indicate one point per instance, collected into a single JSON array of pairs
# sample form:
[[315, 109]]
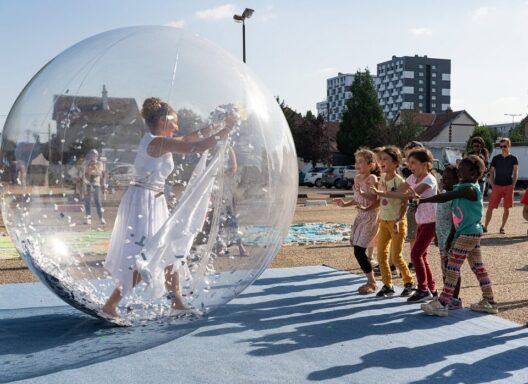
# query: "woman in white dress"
[[143, 209]]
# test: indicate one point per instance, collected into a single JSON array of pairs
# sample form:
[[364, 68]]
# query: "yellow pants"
[[387, 234]]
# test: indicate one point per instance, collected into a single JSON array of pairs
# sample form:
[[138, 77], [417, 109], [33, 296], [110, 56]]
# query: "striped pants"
[[466, 246]]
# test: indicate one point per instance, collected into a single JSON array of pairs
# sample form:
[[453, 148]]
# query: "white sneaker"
[[103, 221], [88, 220], [434, 308]]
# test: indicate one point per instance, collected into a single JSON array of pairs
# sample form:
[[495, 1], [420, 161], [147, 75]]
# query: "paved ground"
[[293, 325], [505, 255]]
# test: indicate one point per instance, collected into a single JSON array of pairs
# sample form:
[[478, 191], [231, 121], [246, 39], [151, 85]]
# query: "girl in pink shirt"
[[421, 182]]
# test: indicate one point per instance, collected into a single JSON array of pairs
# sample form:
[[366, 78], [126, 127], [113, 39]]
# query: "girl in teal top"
[[466, 233]]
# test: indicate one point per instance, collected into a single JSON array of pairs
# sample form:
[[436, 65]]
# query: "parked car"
[[333, 177], [348, 176], [314, 176], [120, 176], [301, 177]]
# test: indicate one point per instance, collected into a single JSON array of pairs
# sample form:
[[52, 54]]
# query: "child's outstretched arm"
[[401, 193], [464, 193], [343, 203]]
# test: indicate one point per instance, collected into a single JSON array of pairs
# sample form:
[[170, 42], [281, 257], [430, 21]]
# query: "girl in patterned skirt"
[[365, 225]]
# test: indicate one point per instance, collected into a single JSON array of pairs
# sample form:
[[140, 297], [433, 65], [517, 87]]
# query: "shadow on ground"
[[40, 341]]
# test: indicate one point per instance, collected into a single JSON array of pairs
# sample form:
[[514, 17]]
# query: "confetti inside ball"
[[96, 207]]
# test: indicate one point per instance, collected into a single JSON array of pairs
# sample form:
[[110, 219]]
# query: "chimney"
[[105, 105]]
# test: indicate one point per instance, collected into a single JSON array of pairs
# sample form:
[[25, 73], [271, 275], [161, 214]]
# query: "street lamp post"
[[241, 19], [513, 115]]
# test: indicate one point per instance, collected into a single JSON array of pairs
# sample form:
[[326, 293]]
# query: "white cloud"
[[222, 12], [176, 23], [480, 13], [421, 31]]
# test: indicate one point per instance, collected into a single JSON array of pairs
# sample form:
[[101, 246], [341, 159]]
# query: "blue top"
[[467, 214]]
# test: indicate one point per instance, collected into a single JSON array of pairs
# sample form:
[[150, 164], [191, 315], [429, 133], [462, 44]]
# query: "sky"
[[294, 45]]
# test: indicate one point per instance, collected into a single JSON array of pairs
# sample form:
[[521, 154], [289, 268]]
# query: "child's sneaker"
[[385, 292], [455, 304], [88, 220], [407, 290], [420, 296], [486, 307], [434, 308]]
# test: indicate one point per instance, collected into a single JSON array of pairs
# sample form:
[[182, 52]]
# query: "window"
[[421, 89], [420, 81], [434, 67], [421, 74], [420, 66], [433, 90], [433, 105], [433, 82], [433, 74], [420, 97], [420, 104], [433, 97]]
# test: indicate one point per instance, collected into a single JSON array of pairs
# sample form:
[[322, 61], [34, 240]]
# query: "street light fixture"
[[513, 115], [248, 12]]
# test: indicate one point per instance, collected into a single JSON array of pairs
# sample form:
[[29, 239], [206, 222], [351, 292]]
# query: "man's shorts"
[[499, 192]]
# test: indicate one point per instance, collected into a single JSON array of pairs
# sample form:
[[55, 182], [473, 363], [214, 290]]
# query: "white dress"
[[142, 212]]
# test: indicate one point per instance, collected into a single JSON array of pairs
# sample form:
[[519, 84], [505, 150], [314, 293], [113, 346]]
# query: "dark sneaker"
[[435, 294], [408, 289], [410, 266], [420, 296], [385, 292], [455, 304]]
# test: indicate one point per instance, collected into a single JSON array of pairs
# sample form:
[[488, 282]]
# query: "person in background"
[[93, 180], [478, 147], [503, 177]]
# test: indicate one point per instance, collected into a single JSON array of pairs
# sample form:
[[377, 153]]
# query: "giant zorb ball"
[[229, 208]]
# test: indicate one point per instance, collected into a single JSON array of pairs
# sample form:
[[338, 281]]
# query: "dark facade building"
[[415, 83]]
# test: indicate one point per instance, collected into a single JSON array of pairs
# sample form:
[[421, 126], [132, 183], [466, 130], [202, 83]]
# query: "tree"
[[407, 129], [485, 133], [309, 133], [363, 120], [188, 121]]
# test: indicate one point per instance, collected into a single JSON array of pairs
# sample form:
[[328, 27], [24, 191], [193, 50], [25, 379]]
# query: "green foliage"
[[363, 121], [309, 133], [188, 121], [405, 130], [518, 134]]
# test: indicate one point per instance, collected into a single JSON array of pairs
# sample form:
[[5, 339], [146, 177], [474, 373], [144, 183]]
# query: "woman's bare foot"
[[111, 311], [177, 303]]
